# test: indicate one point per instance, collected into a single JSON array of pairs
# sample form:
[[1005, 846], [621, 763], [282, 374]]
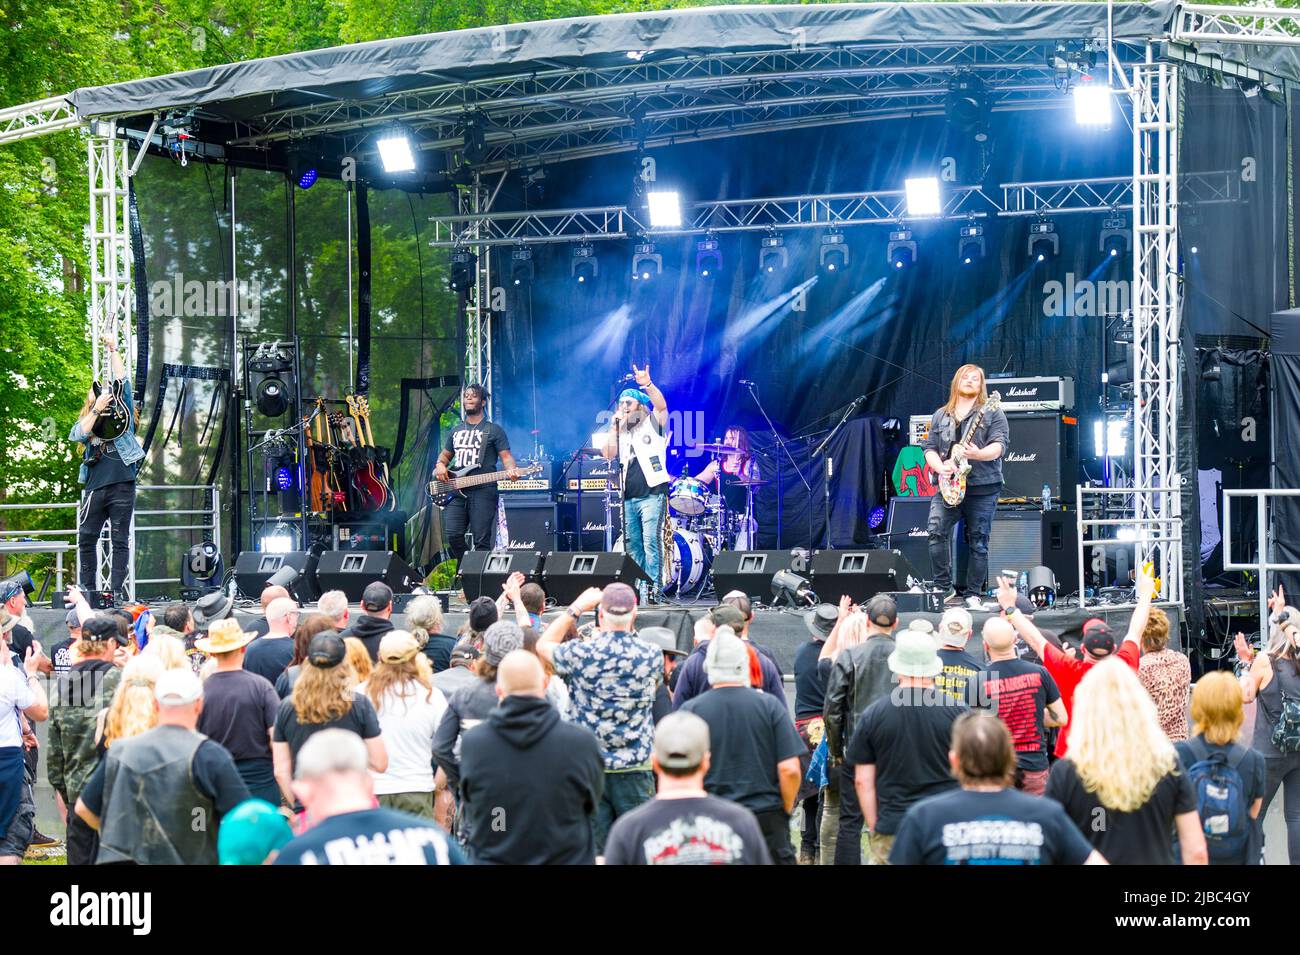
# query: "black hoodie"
[[369, 630], [530, 783]]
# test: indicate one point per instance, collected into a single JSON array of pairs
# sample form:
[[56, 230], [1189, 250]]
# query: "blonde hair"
[[424, 617], [1116, 743], [321, 695], [358, 659], [132, 710], [1155, 636], [1217, 708], [951, 406], [168, 650], [401, 678], [853, 631]]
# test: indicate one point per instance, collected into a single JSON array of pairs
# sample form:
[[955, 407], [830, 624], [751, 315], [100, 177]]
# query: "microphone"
[[628, 377]]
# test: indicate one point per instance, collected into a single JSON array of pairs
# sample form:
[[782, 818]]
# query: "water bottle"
[[1047, 497], [1022, 582]]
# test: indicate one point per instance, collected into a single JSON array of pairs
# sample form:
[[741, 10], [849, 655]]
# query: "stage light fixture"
[[966, 105], [923, 196], [1042, 587], [1113, 442], [790, 589], [1116, 237], [271, 399], [202, 567], [646, 262], [521, 267], [583, 265], [1195, 250], [970, 244], [876, 518], [395, 151], [1092, 104], [772, 256], [464, 265], [901, 250], [665, 210], [1044, 243], [834, 253], [279, 541], [708, 258]]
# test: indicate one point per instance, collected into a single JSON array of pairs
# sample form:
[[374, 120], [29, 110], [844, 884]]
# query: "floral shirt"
[[1167, 676], [612, 678]]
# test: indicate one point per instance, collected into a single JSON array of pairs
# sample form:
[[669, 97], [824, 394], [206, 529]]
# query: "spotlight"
[[923, 196], [202, 566], [283, 477], [970, 244], [876, 518], [791, 589], [395, 151], [1092, 104], [464, 266], [1113, 442], [772, 256], [665, 210], [583, 266], [708, 258], [1116, 237], [901, 250], [1195, 250], [271, 398], [967, 104], [834, 254], [521, 267], [1042, 587], [279, 541], [284, 577], [646, 262], [1044, 243]]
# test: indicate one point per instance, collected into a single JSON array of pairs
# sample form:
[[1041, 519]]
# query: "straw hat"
[[224, 636]]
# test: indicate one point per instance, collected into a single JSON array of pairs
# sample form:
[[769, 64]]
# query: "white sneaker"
[[974, 603]]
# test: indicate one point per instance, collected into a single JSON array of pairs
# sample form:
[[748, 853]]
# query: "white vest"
[[649, 447]]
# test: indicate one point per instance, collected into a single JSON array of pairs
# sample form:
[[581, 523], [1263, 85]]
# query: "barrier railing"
[[1263, 565], [1147, 532]]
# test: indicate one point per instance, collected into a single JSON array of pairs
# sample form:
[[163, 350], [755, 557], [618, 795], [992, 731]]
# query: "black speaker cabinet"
[[596, 474], [908, 519], [566, 573], [351, 570], [1044, 450], [254, 568], [482, 572], [540, 523], [860, 574], [1060, 549], [751, 571]]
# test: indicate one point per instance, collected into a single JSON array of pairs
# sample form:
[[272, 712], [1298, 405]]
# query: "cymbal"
[[718, 448], [749, 483]]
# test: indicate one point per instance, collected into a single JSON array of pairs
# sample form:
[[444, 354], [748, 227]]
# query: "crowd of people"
[[315, 736]]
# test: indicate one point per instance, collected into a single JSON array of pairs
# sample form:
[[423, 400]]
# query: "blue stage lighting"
[[284, 478], [876, 518], [307, 179]]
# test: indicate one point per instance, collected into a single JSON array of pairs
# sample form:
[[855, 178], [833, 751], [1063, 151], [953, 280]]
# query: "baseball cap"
[[501, 638], [482, 614], [326, 650], [376, 596], [102, 627], [250, 832], [618, 599], [398, 646], [955, 625], [921, 625], [177, 687], [463, 654], [882, 611], [681, 741], [727, 615], [1025, 605], [1098, 639]]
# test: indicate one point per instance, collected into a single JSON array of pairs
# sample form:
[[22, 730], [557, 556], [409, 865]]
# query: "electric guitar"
[[371, 494], [114, 420], [953, 486], [444, 492]]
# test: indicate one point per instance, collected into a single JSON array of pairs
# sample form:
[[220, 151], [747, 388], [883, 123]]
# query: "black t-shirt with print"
[[692, 831], [475, 447], [360, 719], [962, 676], [1142, 837]]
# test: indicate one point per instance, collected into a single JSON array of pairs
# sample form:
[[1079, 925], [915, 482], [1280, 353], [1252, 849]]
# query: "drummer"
[[734, 467]]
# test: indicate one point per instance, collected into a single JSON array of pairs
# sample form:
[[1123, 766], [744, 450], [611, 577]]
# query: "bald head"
[[999, 636], [274, 592], [520, 674], [282, 616]]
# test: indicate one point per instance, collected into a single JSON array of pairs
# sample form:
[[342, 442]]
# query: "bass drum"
[[687, 561]]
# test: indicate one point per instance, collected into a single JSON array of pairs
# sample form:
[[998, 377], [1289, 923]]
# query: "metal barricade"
[[1263, 542], [1149, 531]]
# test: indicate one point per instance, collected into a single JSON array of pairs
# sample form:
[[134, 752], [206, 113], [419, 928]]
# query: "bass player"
[[473, 447], [944, 452]]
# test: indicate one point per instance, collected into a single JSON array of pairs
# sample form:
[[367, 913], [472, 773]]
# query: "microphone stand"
[[753, 393], [829, 464], [564, 483]]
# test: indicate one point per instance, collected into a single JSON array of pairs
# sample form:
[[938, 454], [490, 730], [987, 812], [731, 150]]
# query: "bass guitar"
[[116, 418], [953, 486], [443, 492]]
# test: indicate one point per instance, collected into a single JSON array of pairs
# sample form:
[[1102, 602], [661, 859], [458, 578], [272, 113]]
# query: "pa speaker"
[[254, 568], [566, 573], [860, 574], [350, 571], [1060, 549], [750, 571], [482, 572]]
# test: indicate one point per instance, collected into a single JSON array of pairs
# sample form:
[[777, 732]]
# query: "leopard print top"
[[1167, 676]]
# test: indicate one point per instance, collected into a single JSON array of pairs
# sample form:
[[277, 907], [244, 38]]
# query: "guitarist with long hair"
[[473, 447], [109, 464], [965, 433]]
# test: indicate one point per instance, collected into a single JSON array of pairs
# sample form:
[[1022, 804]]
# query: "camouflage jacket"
[[79, 696]]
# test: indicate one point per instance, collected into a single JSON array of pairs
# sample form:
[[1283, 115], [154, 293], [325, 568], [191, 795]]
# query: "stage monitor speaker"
[[1059, 550], [482, 572], [1044, 450], [1015, 545], [860, 574], [540, 523], [351, 570], [751, 571], [254, 568], [567, 573], [908, 519]]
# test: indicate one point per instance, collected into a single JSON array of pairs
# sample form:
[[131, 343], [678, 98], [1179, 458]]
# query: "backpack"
[[1286, 734], [1221, 800]]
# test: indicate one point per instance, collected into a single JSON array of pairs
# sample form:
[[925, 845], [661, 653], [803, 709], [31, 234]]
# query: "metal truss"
[[834, 210], [478, 306], [1254, 26], [38, 118]]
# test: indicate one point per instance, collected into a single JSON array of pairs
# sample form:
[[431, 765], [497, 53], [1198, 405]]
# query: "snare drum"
[[688, 496]]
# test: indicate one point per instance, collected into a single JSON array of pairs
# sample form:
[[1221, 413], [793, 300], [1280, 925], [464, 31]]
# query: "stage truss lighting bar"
[[970, 244], [646, 263]]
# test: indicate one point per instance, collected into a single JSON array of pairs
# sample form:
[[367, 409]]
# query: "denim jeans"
[[644, 517], [114, 503], [976, 509], [624, 791]]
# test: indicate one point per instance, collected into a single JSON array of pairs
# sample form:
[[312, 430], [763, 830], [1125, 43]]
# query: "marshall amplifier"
[[1034, 394], [1044, 450], [539, 523], [908, 519], [596, 474], [543, 483]]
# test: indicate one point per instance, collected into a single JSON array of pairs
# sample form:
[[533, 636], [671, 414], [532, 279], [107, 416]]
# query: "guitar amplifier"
[[540, 523], [908, 519], [544, 483], [596, 475], [1034, 394], [1044, 450]]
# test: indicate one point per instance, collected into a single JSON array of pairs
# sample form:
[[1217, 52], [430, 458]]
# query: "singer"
[[638, 440]]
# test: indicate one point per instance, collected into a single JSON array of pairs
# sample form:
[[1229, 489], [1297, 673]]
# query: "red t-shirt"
[[1067, 672]]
